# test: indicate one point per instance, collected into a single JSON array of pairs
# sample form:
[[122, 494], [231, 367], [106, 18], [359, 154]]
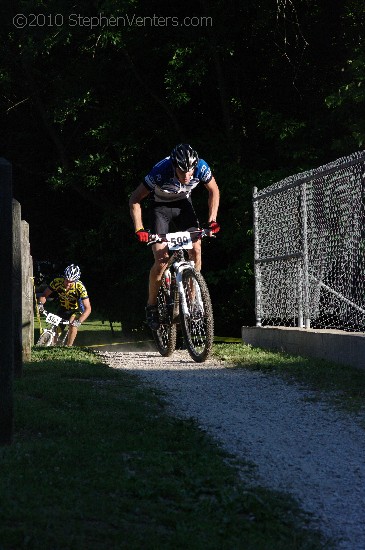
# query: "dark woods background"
[[262, 89]]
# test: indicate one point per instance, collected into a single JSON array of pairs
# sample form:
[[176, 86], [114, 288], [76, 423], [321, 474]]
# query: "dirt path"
[[298, 443]]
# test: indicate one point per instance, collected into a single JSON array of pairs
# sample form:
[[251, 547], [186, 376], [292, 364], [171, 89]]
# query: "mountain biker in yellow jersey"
[[169, 186], [74, 303]]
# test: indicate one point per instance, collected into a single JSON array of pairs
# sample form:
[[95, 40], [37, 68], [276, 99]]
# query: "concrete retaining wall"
[[347, 348]]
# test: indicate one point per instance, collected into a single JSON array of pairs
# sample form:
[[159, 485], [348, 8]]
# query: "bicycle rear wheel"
[[165, 336], [198, 325], [45, 339]]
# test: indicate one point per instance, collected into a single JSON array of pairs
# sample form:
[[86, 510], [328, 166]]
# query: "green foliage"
[[349, 100], [274, 125], [87, 111]]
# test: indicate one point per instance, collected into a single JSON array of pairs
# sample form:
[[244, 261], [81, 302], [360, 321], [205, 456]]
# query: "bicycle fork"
[[180, 267]]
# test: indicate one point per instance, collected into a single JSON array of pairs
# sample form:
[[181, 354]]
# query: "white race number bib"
[[180, 239], [53, 319]]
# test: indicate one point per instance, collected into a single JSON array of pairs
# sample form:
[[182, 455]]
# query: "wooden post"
[[27, 293], [17, 290], [6, 305], [31, 299]]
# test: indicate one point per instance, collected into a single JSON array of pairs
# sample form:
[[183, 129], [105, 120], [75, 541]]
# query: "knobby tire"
[[62, 338], [198, 327], [165, 336], [45, 339]]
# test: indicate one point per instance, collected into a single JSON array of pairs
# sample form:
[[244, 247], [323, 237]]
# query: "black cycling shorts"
[[66, 313], [176, 216]]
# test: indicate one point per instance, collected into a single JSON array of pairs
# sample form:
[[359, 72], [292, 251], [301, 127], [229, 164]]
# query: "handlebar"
[[162, 237], [63, 322]]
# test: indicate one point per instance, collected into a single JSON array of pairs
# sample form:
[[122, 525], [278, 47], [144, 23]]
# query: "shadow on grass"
[[97, 463]]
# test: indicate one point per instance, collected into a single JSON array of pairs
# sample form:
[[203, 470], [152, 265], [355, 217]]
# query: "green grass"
[[94, 331], [343, 386], [97, 463]]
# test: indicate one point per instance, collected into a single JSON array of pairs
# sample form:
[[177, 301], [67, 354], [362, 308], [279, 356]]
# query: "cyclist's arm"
[[213, 199], [87, 310], [140, 193], [43, 297]]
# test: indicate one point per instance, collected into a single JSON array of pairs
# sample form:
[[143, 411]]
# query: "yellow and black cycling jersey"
[[71, 298]]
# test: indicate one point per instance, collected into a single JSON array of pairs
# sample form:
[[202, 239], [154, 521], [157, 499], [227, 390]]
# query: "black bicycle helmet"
[[184, 157]]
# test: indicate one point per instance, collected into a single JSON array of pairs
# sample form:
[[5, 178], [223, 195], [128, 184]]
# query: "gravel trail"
[[299, 444]]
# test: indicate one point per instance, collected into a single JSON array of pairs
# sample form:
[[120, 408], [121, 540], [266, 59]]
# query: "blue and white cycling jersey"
[[165, 185]]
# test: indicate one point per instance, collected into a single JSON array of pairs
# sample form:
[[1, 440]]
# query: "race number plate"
[[53, 319], [180, 239]]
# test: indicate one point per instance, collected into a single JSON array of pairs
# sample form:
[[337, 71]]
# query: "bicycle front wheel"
[[165, 336], [62, 338], [197, 323], [45, 339]]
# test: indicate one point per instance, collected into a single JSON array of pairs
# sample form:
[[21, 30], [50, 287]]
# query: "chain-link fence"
[[310, 248]]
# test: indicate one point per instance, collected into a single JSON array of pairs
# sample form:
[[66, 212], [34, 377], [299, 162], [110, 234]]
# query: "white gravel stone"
[[299, 444]]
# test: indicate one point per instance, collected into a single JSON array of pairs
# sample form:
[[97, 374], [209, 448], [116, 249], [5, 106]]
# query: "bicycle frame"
[[178, 261], [53, 321]]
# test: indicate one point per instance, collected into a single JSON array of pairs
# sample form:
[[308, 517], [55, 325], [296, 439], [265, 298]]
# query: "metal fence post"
[[300, 294], [257, 266], [306, 304], [6, 304]]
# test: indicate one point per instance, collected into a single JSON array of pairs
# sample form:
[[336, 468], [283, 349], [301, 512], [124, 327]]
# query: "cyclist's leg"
[[161, 216], [188, 220], [68, 315], [195, 254], [72, 331], [161, 256]]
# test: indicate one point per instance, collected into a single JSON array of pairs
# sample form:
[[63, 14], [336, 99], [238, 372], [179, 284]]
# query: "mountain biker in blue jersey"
[[169, 185]]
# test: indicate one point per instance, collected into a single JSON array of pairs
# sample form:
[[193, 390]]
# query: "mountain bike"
[[54, 334], [183, 299]]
